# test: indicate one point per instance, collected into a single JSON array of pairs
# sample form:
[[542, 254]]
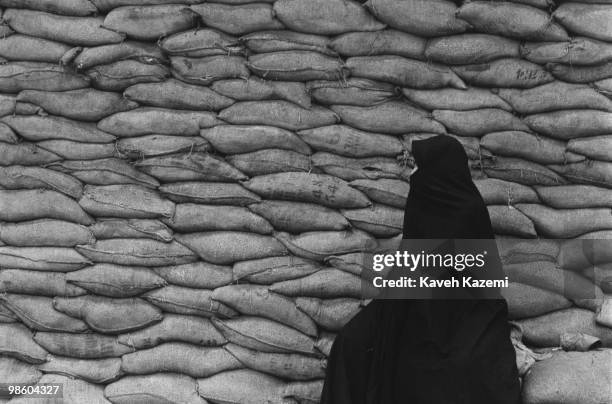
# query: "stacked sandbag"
[[188, 188]]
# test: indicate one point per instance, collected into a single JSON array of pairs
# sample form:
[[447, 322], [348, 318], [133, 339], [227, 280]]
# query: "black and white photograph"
[[306, 201]]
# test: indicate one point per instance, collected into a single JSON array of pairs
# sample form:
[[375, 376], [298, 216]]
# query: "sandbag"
[[529, 301], [17, 372], [386, 191], [305, 392], [175, 94], [298, 217], [350, 169], [190, 167], [79, 8], [578, 51], [256, 88], [232, 139], [454, 99], [555, 96], [73, 390], [238, 19], [284, 40], [256, 300], [569, 377], [506, 72], [155, 389], [270, 161], [326, 283], [204, 71], [283, 114], [81, 31], [36, 128], [23, 177], [317, 245], [201, 42], [603, 86], [590, 172], [16, 341], [190, 217], [131, 228], [129, 201], [192, 360], [174, 327], [594, 147], [347, 141], [106, 54], [511, 20], [500, 192], [391, 117], [142, 252], [383, 42], [214, 193], [115, 281], [109, 171], [592, 20], [508, 220], [7, 316], [99, 371], [38, 313], [580, 74], [201, 275], [6, 133], [27, 154], [109, 316], [404, 72], [227, 247], [479, 121], [470, 48], [108, 5], [57, 259], [181, 300], [575, 196], [352, 91], [566, 223], [149, 120], [522, 171], [331, 314], [547, 275], [569, 124], [264, 335], [83, 105], [528, 146], [546, 330], [158, 145], [121, 74], [296, 65], [379, 220], [17, 76], [45, 233], [325, 17], [529, 251], [424, 18], [273, 269], [316, 188], [287, 366], [84, 346], [19, 205], [325, 342], [70, 150], [31, 49], [241, 386], [148, 23]]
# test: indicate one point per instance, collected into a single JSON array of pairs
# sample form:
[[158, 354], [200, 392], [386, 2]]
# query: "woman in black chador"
[[430, 351]]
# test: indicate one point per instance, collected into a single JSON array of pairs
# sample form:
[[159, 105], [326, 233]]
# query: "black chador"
[[430, 351]]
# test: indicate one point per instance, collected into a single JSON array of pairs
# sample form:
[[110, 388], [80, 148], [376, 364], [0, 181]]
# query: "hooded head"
[[443, 200]]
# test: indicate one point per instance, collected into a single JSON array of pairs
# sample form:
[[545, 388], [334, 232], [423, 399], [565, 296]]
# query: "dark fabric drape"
[[430, 351]]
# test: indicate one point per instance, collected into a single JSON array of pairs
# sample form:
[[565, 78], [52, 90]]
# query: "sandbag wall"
[[186, 186]]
